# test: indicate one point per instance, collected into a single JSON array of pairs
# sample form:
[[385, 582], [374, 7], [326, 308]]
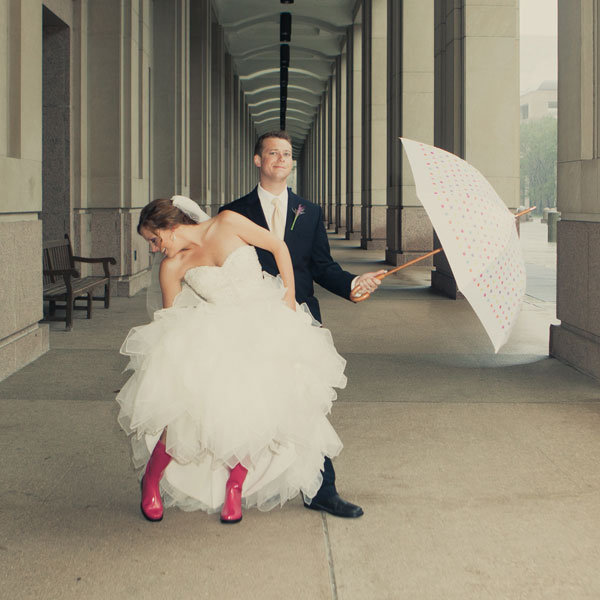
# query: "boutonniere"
[[297, 211]]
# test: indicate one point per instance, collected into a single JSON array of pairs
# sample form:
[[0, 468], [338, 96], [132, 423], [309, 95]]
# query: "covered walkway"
[[477, 472]]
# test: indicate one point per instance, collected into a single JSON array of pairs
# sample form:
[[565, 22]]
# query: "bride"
[[232, 380]]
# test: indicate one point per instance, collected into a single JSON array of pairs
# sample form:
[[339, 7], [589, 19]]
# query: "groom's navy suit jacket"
[[308, 246]]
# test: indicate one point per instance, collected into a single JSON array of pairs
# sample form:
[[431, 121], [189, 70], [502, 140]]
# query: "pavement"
[[478, 472]]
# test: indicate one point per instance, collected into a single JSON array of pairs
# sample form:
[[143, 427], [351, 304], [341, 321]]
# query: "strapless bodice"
[[238, 278]]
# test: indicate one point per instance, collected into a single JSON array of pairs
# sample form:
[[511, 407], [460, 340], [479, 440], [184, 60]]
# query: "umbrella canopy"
[[478, 235]]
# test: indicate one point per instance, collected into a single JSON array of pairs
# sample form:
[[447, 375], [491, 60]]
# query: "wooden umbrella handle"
[[416, 260], [524, 212], [395, 270]]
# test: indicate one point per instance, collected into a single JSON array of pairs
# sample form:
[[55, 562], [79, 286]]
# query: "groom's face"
[[275, 162]]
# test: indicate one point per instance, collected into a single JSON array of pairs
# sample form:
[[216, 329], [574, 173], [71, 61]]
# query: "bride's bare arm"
[[258, 236], [170, 280]]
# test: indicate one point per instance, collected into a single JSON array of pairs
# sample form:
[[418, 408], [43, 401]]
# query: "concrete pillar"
[[247, 142], [170, 99], [227, 140], [354, 128], [118, 143], [410, 114], [252, 137], [235, 165], [329, 152], [576, 340], [200, 102], [477, 97], [323, 159], [318, 193], [340, 148], [56, 117], [315, 161], [217, 68], [374, 124], [22, 339], [242, 145]]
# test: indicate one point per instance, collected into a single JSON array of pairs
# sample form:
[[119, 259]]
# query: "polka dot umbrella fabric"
[[477, 232]]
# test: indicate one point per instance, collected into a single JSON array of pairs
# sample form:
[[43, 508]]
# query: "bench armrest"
[[105, 262]]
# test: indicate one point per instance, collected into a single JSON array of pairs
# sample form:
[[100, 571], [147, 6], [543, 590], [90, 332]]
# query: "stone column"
[[235, 139], [315, 161], [242, 158], [354, 128], [318, 158], [340, 147], [477, 97], [217, 67], [318, 197], [329, 152], [576, 340], [118, 141], [56, 138], [170, 96], [228, 131], [22, 338], [200, 102], [374, 124], [410, 114], [323, 158]]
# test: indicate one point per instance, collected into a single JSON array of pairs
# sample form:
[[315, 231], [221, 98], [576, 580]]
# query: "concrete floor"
[[478, 472]]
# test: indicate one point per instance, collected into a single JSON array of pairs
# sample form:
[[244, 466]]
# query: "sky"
[[538, 27]]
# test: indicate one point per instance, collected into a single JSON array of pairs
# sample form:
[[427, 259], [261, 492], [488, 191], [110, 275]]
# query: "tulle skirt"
[[248, 383]]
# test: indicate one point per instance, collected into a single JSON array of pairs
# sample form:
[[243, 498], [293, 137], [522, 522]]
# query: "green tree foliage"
[[538, 163]]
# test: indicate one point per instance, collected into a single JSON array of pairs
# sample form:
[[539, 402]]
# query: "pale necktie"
[[276, 220]]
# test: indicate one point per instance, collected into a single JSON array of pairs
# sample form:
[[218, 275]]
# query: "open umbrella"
[[477, 233]]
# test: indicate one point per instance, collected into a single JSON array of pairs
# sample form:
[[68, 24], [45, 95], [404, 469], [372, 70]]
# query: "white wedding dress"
[[235, 376]]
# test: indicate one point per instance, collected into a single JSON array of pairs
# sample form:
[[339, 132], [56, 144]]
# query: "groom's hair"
[[282, 135]]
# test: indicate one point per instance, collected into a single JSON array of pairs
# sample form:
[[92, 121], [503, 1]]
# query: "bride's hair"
[[161, 214]]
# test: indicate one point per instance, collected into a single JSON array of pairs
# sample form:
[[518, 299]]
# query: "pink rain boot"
[[151, 505], [232, 508]]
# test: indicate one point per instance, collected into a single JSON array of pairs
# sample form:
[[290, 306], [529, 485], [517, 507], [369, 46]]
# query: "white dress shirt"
[[266, 202]]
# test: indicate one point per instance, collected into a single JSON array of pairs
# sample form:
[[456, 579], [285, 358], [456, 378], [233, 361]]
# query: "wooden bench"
[[62, 282]]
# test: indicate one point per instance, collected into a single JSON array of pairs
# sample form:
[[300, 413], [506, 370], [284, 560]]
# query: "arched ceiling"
[[252, 35]]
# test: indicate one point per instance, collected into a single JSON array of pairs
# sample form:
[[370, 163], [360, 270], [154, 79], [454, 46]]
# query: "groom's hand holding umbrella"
[[366, 283]]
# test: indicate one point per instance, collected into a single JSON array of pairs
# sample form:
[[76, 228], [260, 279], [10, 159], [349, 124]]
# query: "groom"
[[300, 223]]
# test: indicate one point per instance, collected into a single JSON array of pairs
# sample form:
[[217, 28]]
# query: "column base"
[[129, 285], [445, 284], [353, 235], [380, 244], [23, 347], [577, 340], [340, 230], [576, 348]]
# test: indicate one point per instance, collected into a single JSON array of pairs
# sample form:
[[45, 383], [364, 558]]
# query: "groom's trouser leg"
[[328, 486]]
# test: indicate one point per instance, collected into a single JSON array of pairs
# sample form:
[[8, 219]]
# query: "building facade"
[[541, 102], [107, 104]]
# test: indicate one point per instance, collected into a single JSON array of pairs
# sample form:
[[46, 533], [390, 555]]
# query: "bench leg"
[[69, 313], [107, 295], [89, 305], [51, 307]]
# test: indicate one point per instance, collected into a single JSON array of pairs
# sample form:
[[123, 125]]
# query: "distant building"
[[540, 103]]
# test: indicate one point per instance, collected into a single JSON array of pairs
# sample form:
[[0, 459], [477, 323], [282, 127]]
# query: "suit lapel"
[[255, 211]]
